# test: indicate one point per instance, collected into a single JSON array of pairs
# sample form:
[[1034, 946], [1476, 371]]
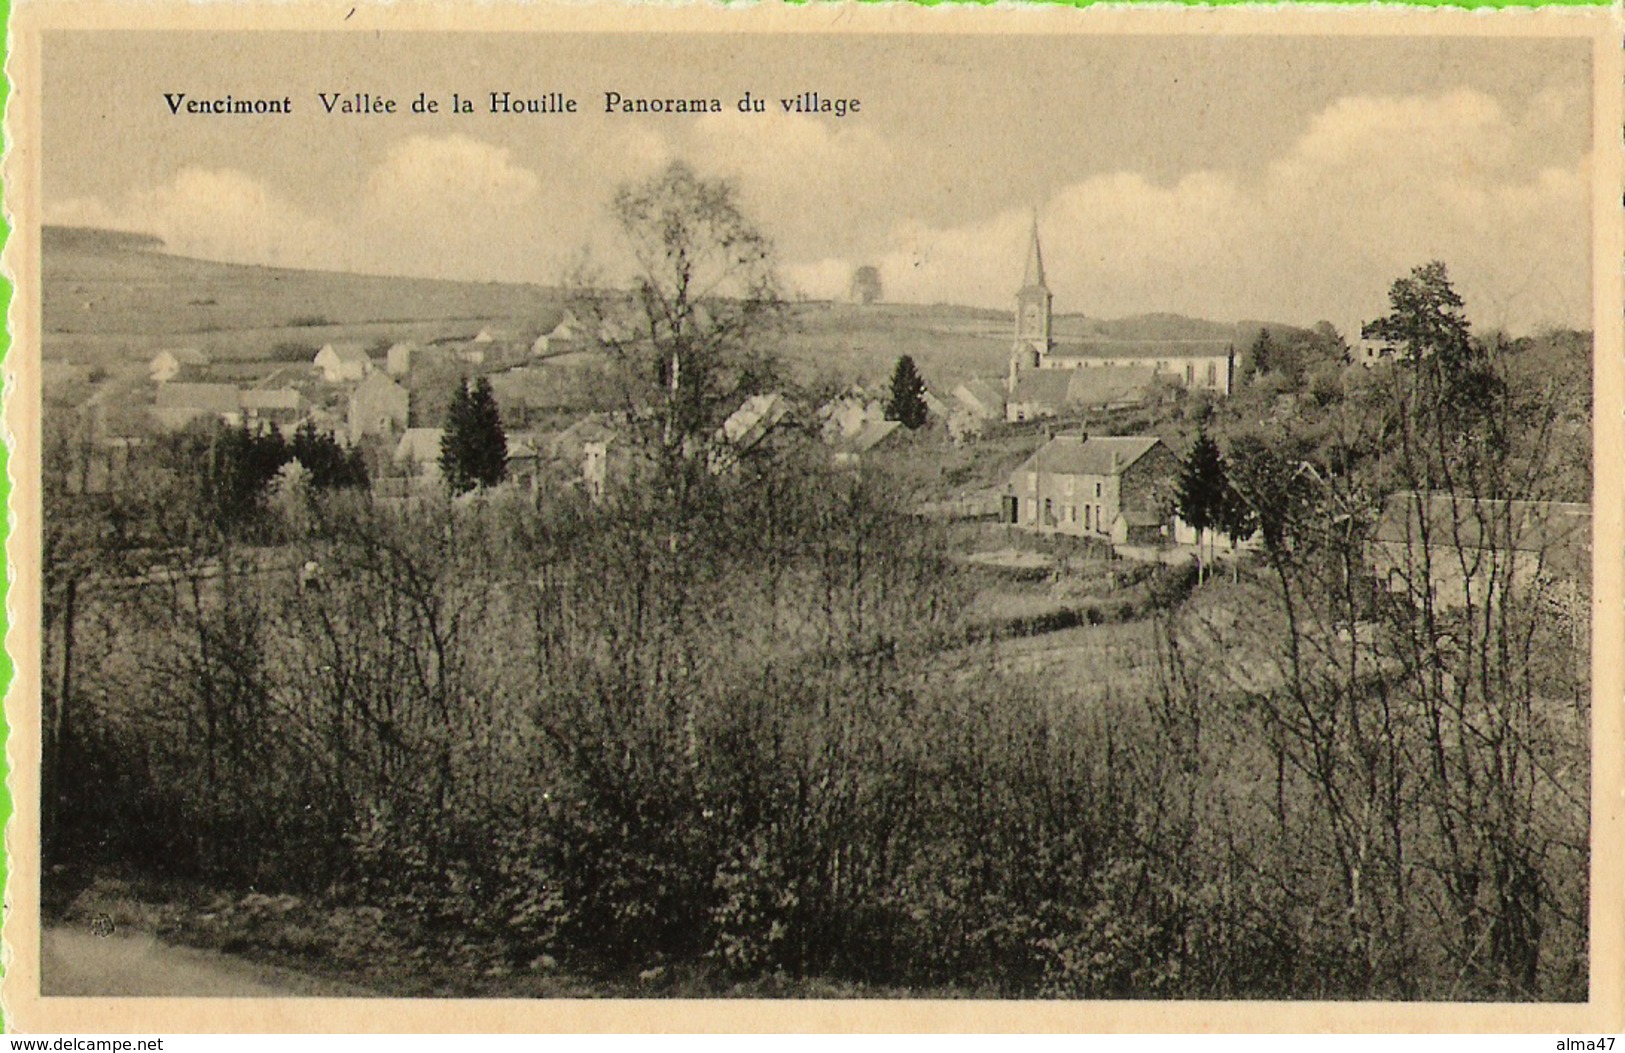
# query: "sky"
[[1228, 177]]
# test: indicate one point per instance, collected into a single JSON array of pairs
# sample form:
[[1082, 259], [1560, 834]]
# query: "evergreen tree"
[[473, 448], [1427, 323], [1202, 488], [907, 402], [330, 465]]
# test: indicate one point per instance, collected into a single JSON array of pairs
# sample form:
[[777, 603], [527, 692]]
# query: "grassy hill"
[[112, 299]]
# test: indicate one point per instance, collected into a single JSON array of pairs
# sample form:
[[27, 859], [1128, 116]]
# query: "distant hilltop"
[[95, 239]]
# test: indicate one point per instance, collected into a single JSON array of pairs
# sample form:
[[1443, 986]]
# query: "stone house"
[[1111, 487], [378, 406]]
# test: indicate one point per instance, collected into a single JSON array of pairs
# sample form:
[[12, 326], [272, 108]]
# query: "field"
[[112, 300]]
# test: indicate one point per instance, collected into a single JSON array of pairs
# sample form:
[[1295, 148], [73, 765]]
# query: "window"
[[1032, 509], [1049, 511], [1072, 513], [1212, 374], [1097, 489], [1086, 517], [1190, 373], [1032, 480]]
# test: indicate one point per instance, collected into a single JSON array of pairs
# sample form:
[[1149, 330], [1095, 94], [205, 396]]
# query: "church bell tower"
[[1032, 310]]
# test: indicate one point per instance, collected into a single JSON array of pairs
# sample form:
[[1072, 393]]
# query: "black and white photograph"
[[893, 512]]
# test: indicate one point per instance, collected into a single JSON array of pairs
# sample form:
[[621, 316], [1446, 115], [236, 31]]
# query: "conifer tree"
[[473, 448], [1202, 488], [907, 403]]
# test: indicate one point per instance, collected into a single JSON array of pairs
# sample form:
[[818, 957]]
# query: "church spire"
[[1033, 278]]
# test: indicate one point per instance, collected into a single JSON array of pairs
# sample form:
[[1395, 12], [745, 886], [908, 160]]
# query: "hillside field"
[[113, 300]]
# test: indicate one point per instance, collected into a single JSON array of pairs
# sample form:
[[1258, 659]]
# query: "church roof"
[[1090, 454], [1033, 276], [1152, 349], [1109, 385]]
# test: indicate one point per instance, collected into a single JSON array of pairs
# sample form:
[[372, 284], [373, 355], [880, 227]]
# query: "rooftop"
[[1090, 455], [1152, 349]]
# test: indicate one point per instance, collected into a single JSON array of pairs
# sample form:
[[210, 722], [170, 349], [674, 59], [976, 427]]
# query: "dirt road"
[[75, 962]]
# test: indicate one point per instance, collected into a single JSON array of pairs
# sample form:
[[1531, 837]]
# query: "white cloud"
[[221, 214], [1373, 187]]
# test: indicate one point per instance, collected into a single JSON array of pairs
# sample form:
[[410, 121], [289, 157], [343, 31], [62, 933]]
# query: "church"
[[1047, 378]]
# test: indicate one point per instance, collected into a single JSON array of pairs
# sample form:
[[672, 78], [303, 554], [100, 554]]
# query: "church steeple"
[[1032, 310], [1033, 277]]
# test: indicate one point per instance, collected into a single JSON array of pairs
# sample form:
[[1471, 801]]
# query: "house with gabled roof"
[[418, 453], [855, 447], [557, 331], [177, 405], [1112, 487], [982, 399], [398, 359], [1456, 550], [378, 406], [169, 363], [282, 406], [341, 362]]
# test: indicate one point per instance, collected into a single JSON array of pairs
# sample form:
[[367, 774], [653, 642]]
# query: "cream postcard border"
[[25, 1010]]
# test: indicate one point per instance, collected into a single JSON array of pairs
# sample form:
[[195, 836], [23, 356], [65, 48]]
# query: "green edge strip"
[[1496, 4]]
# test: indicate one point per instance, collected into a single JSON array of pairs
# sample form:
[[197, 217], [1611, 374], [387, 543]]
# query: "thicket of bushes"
[[704, 724]]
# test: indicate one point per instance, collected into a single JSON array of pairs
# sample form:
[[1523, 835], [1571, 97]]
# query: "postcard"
[[819, 518]]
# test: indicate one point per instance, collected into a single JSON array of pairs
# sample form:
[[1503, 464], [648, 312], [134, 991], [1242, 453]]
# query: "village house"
[[282, 407], [747, 428], [524, 462], [584, 449], [1455, 551], [982, 399], [559, 332], [875, 435], [418, 454], [758, 415], [341, 363], [847, 414], [168, 364], [1045, 393], [1111, 487], [378, 406], [177, 405], [398, 360]]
